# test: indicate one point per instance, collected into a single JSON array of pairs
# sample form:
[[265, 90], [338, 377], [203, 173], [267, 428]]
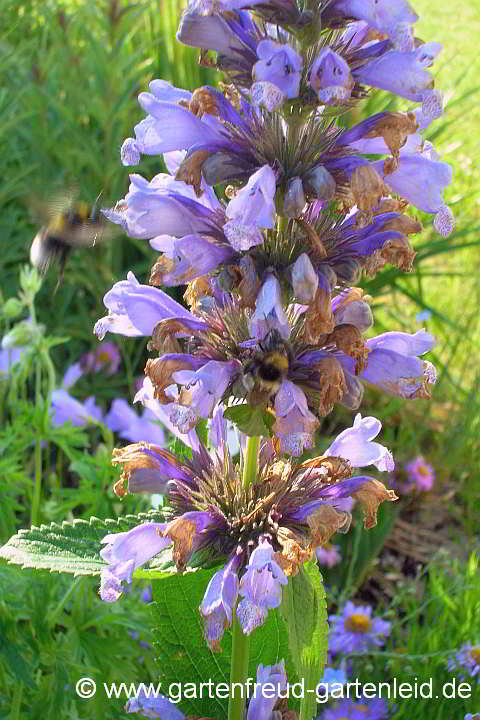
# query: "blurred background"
[[70, 72]]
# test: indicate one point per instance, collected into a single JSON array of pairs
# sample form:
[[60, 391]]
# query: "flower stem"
[[241, 642], [250, 460], [37, 490], [238, 671]]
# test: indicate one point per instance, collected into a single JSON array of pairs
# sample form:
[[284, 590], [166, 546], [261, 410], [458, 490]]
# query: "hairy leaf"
[[72, 547], [305, 612], [251, 421], [182, 654]]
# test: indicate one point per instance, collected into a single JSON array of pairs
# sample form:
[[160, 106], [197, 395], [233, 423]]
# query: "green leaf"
[[250, 420], [72, 547], [361, 547], [305, 612], [182, 654]]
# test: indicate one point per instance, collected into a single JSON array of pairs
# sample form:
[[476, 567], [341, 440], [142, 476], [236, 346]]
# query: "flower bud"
[[12, 308], [23, 333], [320, 183], [294, 200]]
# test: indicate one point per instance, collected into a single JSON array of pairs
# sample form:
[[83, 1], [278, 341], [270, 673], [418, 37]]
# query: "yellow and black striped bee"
[[69, 225], [264, 374]]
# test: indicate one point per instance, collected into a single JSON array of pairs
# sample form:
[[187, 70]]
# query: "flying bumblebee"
[[69, 225], [264, 374]]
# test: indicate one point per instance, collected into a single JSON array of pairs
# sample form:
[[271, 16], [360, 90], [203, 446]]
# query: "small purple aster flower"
[[421, 473], [154, 707], [354, 630], [467, 659], [105, 357], [362, 709], [329, 555], [469, 716]]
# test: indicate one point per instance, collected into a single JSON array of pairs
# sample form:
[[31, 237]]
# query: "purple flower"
[[280, 65], [123, 420], [304, 279], [135, 309], [105, 357], [127, 551], [355, 631], [168, 125], [206, 386], [147, 595], [421, 179], [218, 603], [262, 704], [252, 208], [156, 706], [146, 395], [295, 423], [302, 506], [66, 409], [391, 17], [393, 364], [329, 555], [466, 659], [269, 313], [164, 206], [355, 445], [361, 709], [260, 588], [8, 358], [72, 374], [400, 72], [420, 473], [330, 78]]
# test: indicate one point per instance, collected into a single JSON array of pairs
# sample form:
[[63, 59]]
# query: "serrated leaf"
[[72, 547], [251, 421], [182, 654], [304, 610]]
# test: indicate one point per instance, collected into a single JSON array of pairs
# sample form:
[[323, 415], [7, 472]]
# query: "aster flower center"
[[475, 655], [422, 470], [358, 623]]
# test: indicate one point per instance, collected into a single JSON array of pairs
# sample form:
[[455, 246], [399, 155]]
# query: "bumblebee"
[[69, 225], [264, 374]]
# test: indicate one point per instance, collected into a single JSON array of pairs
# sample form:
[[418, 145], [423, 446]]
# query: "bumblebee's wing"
[[47, 250]]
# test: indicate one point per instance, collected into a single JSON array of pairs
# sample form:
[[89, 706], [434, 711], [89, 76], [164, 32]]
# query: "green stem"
[[51, 617], [238, 671], [16, 701], [241, 642], [37, 490], [250, 460]]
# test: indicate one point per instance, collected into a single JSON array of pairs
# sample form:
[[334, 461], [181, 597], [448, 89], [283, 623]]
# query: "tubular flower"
[[261, 705], [298, 363], [263, 533]]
